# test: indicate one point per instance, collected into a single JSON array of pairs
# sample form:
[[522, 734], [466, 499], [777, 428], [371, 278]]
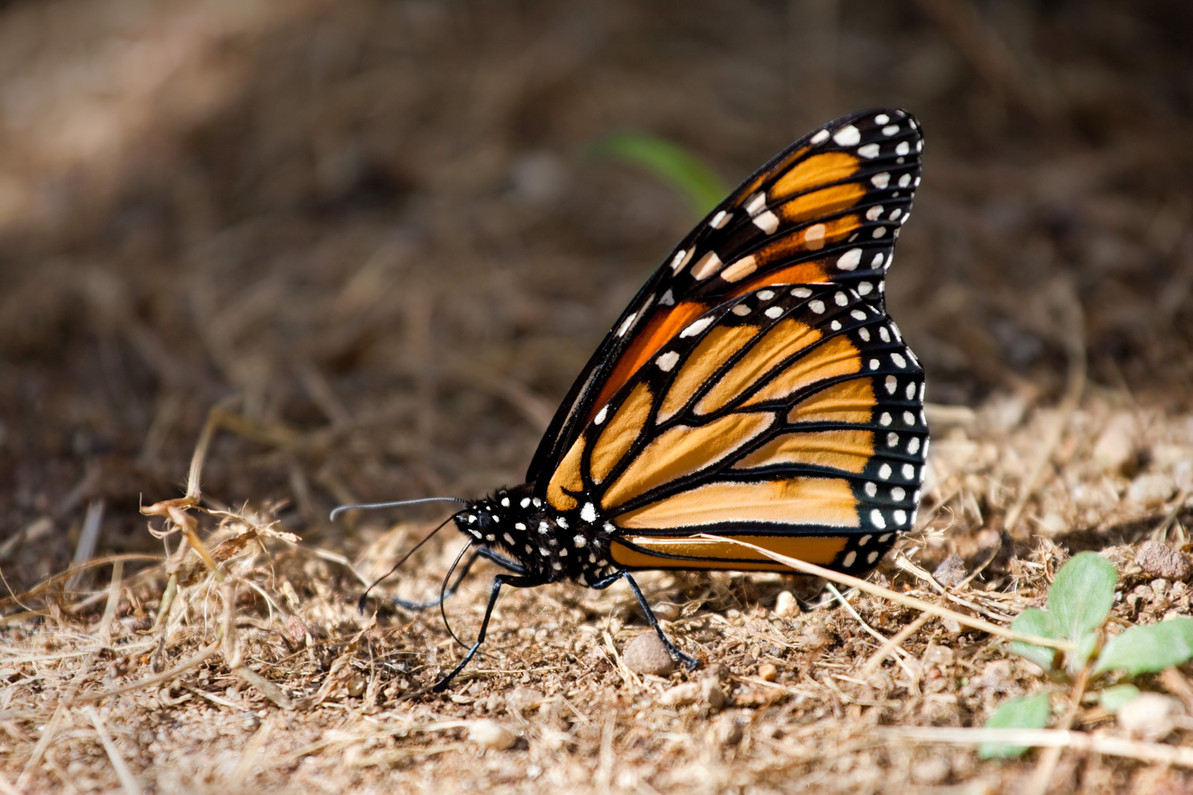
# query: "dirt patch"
[[368, 234]]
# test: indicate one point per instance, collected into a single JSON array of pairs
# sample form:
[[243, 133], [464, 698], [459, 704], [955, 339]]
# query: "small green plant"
[[674, 165], [1079, 603]]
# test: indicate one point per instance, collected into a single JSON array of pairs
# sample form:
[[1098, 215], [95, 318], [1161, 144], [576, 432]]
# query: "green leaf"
[[1082, 594], [672, 164], [1113, 698], [1034, 621], [1029, 712], [1149, 648]]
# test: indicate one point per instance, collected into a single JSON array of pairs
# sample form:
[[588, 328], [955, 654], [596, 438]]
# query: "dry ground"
[[369, 234]]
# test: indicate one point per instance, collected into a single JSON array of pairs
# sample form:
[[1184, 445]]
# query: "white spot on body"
[[579, 540], [588, 513]]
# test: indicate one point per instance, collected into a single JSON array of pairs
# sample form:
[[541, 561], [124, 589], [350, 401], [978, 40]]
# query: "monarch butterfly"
[[754, 389]]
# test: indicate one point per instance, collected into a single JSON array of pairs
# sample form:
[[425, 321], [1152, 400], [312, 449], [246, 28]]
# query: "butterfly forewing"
[[827, 209]]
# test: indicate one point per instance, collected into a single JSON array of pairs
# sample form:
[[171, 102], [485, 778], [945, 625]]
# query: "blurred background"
[[374, 231]]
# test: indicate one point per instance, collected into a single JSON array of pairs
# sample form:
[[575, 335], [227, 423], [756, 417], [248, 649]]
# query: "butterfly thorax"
[[546, 544]]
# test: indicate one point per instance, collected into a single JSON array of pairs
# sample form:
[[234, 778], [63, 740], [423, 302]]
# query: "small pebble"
[[726, 730], [951, 571], [713, 693], [1115, 448], [1159, 560], [786, 605], [1151, 489], [931, 770], [492, 734], [646, 654], [681, 695], [1150, 716]]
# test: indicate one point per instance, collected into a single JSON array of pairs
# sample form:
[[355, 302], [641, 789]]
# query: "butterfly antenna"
[[372, 506], [360, 605]]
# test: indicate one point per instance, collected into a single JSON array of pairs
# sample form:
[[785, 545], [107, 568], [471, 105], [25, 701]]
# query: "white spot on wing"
[[850, 259], [626, 324], [696, 326], [847, 136], [767, 221], [881, 180], [868, 151], [719, 220], [667, 361], [709, 264]]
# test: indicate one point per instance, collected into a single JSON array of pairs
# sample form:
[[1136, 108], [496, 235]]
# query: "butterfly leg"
[[498, 581], [672, 649], [447, 591]]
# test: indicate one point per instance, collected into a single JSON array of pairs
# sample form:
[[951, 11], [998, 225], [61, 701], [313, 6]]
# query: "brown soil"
[[369, 237]]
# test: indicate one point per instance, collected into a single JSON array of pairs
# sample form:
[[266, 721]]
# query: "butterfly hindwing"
[[790, 416], [826, 209]]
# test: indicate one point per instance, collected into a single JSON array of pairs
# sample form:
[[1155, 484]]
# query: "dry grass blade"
[[1049, 738], [803, 567]]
